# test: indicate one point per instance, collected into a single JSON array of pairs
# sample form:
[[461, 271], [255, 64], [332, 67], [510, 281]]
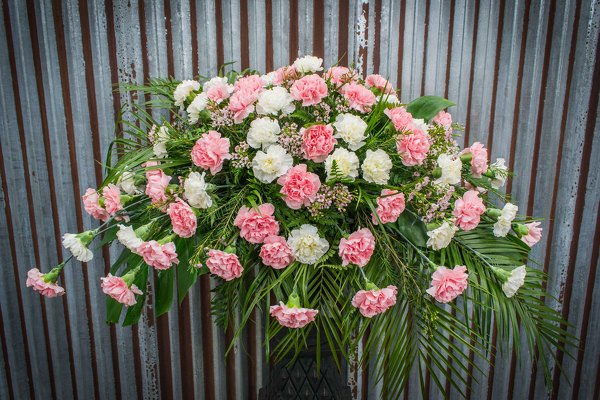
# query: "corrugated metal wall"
[[526, 80]]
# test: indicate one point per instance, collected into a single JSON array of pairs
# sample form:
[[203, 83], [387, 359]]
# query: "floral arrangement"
[[319, 200]]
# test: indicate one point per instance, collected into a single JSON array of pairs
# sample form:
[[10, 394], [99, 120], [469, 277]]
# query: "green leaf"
[[413, 229], [134, 312], [186, 275], [427, 107], [164, 291], [113, 310]]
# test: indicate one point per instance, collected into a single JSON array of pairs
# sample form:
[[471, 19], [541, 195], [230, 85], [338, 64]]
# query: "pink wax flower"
[[35, 280], [112, 198], [285, 74], [159, 256], [375, 301], [389, 206], [242, 104], [117, 288], [224, 265], [534, 233], [340, 75], [413, 148], [275, 252], [358, 248], [309, 89], [182, 218], [359, 97], [299, 187], [157, 182], [468, 210], [293, 317], [256, 225], [92, 207], [379, 82], [479, 160], [251, 83], [401, 119], [218, 92], [447, 284], [317, 142], [210, 151]]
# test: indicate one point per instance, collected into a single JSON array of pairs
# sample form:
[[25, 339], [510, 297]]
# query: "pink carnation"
[[183, 218], [340, 75], [358, 248], [317, 142], [444, 119], [35, 280], [92, 207], [309, 89], [256, 225], [379, 82], [534, 234], [218, 92], [224, 265], [401, 118], [117, 288], [376, 301], [210, 151], [359, 97], [112, 198], [157, 255], [413, 148], [389, 206], [479, 160], [276, 253], [157, 182], [251, 83], [285, 74], [299, 187], [447, 284], [242, 104], [468, 210], [293, 317]]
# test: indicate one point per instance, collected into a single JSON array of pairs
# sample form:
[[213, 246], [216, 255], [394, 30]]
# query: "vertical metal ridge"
[[219, 26], [230, 364], [207, 356], [8, 373], [185, 343], [244, 36], [344, 18], [490, 140], [425, 41], [194, 33], [293, 46], [377, 37], [472, 73], [401, 45], [450, 41], [319, 28], [269, 38]]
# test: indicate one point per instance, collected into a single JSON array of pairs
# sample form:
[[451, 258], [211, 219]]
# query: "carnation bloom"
[[375, 301], [444, 119], [263, 133], [183, 90], [182, 218], [479, 159], [127, 183], [218, 92], [196, 106], [447, 284], [451, 170], [285, 74], [358, 248], [500, 173], [413, 148], [210, 151], [351, 128], [291, 314], [256, 224], [310, 90], [389, 206], [92, 207], [299, 187], [127, 237], [513, 281], [306, 244], [224, 265], [379, 82], [156, 186], [275, 101], [275, 252], [160, 140], [346, 163], [534, 233], [468, 210], [37, 281], [272, 164], [340, 75], [117, 288], [503, 225], [400, 117], [251, 83], [317, 142], [308, 64], [77, 245], [242, 104], [195, 190], [359, 97], [159, 256], [376, 167], [440, 237], [112, 198]]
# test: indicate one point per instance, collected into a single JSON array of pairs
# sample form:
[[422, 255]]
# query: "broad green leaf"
[[164, 291], [113, 310], [134, 312], [186, 275], [413, 229], [427, 107]]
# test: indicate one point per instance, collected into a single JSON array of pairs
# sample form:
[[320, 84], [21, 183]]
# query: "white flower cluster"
[[503, 225], [306, 244]]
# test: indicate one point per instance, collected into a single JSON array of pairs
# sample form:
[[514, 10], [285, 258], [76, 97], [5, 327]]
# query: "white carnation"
[[351, 129], [376, 167], [217, 80], [196, 106], [73, 243], [346, 162], [514, 281], [263, 133], [128, 238], [183, 90], [269, 78], [503, 225], [440, 238], [391, 99], [306, 244], [160, 142], [274, 101], [451, 169], [270, 165], [420, 124], [500, 173], [308, 64], [127, 183], [195, 190]]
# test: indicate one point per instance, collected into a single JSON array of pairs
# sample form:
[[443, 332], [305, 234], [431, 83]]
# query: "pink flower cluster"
[[92, 206], [401, 119], [413, 148], [275, 252], [375, 301], [358, 248], [299, 187], [380, 83], [317, 142], [468, 210], [340, 75], [159, 256], [309, 89], [117, 288], [157, 182], [447, 284], [479, 160], [534, 234], [389, 206], [256, 224], [35, 280], [182, 218], [112, 198], [224, 265], [358, 96], [293, 317], [210, 151]]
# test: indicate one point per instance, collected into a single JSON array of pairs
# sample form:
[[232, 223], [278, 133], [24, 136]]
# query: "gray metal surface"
[[525, 76]]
